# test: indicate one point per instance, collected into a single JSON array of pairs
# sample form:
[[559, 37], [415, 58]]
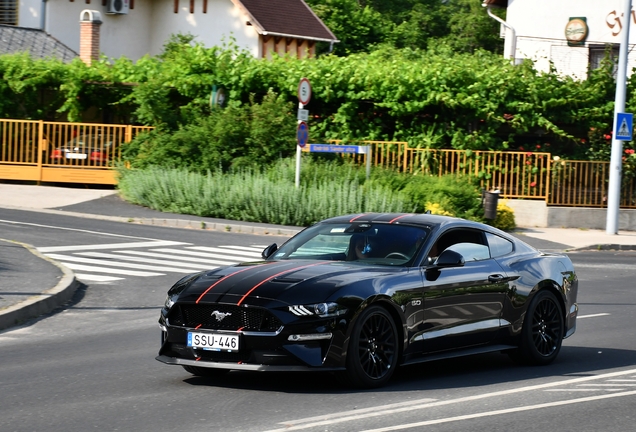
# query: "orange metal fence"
[[585, 184], [87, 153], [42, 151]]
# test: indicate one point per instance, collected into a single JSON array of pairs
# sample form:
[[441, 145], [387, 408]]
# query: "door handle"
[[495, 278]]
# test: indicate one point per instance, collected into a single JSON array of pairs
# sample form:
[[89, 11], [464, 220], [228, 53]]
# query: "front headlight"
[[323, 310], [170, 301]]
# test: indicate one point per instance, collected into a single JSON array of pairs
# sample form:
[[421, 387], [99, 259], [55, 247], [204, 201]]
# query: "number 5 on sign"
[[304, 91]]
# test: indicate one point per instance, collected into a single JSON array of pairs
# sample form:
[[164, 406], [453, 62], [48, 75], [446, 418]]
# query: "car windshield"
[[368, 243]]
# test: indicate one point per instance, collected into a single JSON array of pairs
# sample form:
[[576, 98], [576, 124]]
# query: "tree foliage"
[[436, 98]]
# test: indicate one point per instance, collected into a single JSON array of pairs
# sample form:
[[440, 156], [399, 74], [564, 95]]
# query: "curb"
[[201, 224], [606, 247], [43, 303]]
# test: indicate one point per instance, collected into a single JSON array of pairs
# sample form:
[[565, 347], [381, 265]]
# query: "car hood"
[[284, 282]]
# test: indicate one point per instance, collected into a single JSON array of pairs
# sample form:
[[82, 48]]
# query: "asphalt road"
[[90, 365]]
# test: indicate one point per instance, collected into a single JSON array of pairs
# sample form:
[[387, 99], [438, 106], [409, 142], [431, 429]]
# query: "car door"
[[462, 305]]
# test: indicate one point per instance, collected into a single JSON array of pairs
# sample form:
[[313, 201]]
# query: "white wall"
[[146, 28], [540, 27], [221, 20]]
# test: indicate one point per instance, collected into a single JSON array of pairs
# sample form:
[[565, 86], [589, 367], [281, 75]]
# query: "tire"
[[542, 332], [372, 354], [205, 372]]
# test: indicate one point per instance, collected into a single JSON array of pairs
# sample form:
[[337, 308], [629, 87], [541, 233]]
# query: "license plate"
[[213, 341], [76, 156]]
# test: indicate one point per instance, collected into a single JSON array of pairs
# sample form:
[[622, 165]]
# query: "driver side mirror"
[[269, 250], [449, 258]]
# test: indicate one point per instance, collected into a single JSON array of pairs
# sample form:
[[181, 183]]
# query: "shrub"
[[505, 219]]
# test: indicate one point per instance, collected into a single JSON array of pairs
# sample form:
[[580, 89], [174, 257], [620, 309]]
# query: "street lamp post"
[[616, 162]]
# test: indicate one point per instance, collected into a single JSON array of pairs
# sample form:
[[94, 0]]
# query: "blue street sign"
[[302, 134], [624, 126]]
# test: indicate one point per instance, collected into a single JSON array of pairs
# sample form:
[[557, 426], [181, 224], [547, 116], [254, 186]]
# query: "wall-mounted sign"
[[576, 31], [217, 98]]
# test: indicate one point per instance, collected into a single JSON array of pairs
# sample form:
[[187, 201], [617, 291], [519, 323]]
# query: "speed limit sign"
[[304, 91]]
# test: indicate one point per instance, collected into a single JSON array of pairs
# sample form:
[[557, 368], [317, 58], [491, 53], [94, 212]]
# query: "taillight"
[[98, 156], [56, 154]]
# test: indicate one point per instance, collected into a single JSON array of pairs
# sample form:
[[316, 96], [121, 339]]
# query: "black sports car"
[[362, 294]]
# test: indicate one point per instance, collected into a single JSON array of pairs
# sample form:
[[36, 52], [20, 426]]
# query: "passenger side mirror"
[[269, 250], [449, 258]]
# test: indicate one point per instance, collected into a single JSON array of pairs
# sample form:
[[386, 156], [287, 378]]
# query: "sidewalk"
[[22, 268]]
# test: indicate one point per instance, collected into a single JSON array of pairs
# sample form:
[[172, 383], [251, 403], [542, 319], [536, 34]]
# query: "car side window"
[[499, 246], [469, 243], [471, 251]]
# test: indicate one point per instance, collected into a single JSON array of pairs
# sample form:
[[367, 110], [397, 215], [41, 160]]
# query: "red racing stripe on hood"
[[275, 276], [221, 280]]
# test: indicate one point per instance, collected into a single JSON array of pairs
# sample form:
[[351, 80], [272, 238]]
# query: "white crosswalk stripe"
[[105, 263]]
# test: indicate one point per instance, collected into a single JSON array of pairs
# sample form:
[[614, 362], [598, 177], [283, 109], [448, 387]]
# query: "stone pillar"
[[90, 22]]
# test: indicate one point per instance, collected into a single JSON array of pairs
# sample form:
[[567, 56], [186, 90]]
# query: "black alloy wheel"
[[373, 349], [542, 332]]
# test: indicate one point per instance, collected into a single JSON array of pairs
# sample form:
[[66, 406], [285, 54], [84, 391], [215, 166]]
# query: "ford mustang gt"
[[363, 294]]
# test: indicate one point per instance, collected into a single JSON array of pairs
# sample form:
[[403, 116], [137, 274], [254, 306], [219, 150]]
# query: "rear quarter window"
[[499, 246]]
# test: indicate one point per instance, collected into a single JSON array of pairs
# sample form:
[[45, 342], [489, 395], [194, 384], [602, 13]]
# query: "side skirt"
[[459, 353]]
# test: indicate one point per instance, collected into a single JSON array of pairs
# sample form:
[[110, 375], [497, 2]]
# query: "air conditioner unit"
[[117, 7]]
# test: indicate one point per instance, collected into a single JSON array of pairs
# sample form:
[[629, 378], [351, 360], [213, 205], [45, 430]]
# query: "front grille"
[[224, 317]]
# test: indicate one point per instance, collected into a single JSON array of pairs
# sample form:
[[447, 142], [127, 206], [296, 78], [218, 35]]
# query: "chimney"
[[90, 21]]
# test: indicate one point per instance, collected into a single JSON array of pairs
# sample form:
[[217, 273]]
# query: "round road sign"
[[304, 91], [302, 133]]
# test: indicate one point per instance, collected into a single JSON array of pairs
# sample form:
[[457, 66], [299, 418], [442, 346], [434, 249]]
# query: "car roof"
[[431, 221]]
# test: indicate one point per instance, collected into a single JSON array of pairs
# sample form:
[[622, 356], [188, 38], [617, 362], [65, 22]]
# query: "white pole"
[[298, 155], [616, 162]]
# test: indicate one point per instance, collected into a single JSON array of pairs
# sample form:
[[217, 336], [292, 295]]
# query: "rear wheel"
[[373, 349], [542, 332], [206, 372]]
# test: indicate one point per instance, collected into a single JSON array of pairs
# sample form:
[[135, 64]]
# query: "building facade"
[[570, 35], [134, 28]]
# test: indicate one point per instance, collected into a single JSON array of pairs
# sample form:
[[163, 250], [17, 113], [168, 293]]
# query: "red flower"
[[533, 184], [607, 137], [529, 154], [521, 148], [629, 151], [538, 146], [528, 163], [583, 140]]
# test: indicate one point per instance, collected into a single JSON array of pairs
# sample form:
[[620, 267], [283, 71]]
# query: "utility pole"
[[616, 161]]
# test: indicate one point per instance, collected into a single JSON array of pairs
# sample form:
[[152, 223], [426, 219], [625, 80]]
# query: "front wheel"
[[542, 332], [372, 355]]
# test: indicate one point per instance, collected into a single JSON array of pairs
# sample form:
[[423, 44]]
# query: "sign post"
[[620, 125], [302, 131]]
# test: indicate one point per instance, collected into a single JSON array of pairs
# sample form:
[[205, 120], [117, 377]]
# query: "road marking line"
[[109, 246], [226, 251], [176, 257], [186, 265], [360, 411], [577, 390], [503, 411], [96, 278], [111, 270], [592, 316], [255, 249], [381, 411], [203, 254], [68, 259]]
